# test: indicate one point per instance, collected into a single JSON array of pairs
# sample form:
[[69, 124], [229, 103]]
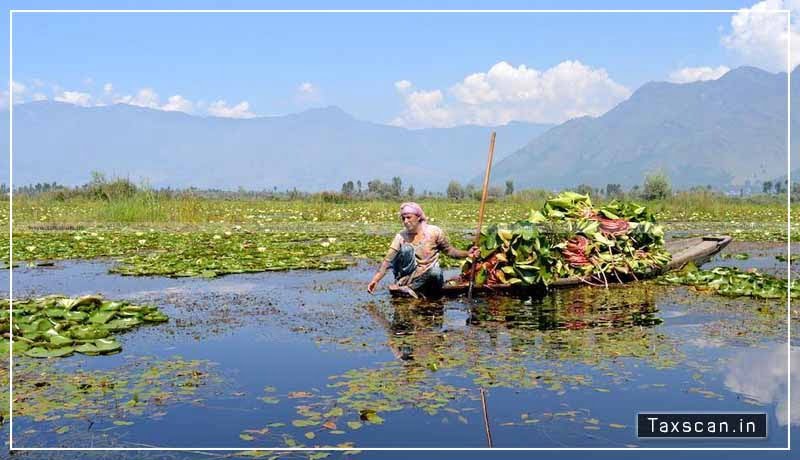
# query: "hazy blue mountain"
[[723, 132], [317, 149]]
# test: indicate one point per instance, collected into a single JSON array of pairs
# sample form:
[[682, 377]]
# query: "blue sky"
[[283, 63]]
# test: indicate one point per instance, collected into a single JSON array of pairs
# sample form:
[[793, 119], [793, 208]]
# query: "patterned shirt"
[[426, 250]]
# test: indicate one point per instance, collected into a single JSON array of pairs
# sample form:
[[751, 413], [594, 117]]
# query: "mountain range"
[[318, 149], [728, 132], [725, 133]]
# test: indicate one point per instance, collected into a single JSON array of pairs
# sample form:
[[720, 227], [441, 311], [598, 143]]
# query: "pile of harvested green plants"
[[56, 325], [568, 237]]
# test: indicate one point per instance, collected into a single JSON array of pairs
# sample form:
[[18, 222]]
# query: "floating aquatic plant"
[[55, 325], [732, 282]]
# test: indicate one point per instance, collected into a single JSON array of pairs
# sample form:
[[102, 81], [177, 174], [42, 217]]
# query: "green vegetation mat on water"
[[569, 237], [55, 325], [240, 236], [732, 282], [210, 253]]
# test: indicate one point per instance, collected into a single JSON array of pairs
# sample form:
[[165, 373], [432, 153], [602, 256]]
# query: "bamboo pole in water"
[[484, 194], [486, 418]]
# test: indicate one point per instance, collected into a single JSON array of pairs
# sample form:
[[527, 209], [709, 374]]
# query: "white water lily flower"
[[228, 233], [332, 240], [217, 237], [30, 248], [261, 249], [142, 241], [77, 237], [139, 234], [325, 244]]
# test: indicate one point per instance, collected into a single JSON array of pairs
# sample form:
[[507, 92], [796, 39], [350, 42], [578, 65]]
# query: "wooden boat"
[[695, 250]]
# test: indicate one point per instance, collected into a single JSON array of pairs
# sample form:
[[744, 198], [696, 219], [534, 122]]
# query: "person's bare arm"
[[452, 251], [379, 274], [385, 264]]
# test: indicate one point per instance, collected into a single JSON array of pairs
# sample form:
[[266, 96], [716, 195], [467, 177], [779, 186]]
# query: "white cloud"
[[88, 81], [760, 37], [306, 88], [424, 109], [178, 103], [760, 374], [146, 97], [506, 93], [402, 85], [307, 94], [18, 89], [75, 97], [690, 74], [220, 108]]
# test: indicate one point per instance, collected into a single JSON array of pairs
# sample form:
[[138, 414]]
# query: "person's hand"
[[474, 252], [371, 286]]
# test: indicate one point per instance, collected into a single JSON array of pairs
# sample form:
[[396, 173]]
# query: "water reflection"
[[584, 325], [761, 376], [574, 309]]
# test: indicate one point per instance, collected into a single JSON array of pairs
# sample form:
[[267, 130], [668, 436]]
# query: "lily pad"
[[40, 352]]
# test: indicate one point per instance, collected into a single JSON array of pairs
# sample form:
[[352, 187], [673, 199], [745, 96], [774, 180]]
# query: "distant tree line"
[[379, 189], [779, 188], [655, 186]]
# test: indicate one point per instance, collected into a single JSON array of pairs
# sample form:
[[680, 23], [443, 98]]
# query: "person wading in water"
[[414, 255]]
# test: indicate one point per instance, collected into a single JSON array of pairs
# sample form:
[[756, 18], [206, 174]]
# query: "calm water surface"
[[309, 358]]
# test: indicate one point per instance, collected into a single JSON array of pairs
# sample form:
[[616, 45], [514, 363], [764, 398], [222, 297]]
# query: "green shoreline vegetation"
[[212, 233]]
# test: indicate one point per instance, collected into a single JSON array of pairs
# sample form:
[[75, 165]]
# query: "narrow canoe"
[[697, 250]]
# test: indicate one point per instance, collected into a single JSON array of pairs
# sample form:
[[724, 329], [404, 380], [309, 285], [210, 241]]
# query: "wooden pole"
[[484, 194], [486, 419]]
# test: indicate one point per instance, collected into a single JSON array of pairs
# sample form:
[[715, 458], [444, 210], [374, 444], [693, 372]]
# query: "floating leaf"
[[329, 425], [302, 423], [39, 352], [370, 416], [354, 425]]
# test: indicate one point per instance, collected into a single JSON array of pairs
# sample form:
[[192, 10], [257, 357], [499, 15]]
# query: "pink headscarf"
[[412, 208]]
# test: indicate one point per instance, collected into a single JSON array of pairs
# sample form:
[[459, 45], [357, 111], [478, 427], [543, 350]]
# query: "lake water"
[[308, 358]]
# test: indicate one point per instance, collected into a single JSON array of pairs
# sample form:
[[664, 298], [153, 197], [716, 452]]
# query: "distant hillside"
[[314, 150], [723, 132]]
